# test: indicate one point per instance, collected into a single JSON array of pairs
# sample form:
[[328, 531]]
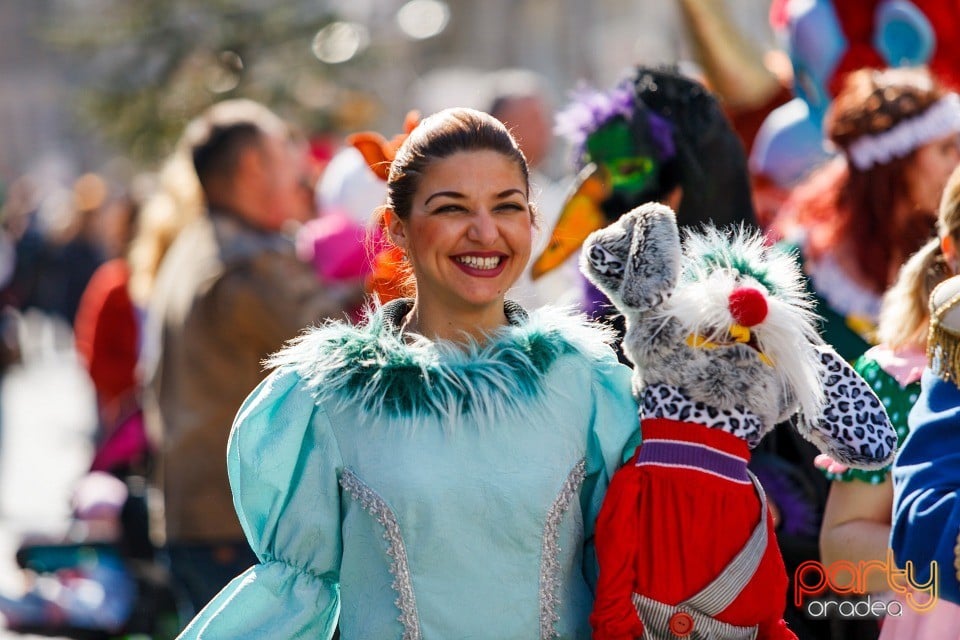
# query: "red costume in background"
[[107, 338]]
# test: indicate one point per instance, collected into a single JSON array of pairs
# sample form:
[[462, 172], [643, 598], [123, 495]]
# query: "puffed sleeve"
[[926, 477], [614, 435], [283, 462]]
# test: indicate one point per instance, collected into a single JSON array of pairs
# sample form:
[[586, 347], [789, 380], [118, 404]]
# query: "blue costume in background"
[[926, 476]]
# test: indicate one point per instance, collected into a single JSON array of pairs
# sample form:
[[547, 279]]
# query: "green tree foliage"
[[144, 67]]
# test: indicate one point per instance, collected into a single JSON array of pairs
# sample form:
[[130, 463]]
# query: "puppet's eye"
[[728, 273]]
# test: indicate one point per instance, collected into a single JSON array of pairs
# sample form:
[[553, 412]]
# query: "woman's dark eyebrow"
[[455, 194], [449, 194]]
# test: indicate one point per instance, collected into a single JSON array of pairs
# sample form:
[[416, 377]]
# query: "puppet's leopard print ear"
[[855, 429]]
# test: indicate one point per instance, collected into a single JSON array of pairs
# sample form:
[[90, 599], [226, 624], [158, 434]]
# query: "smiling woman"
[[435, 471], [457, 205], [467, 238]]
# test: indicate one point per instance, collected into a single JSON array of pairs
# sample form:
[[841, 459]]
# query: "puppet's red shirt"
[[672, 519]]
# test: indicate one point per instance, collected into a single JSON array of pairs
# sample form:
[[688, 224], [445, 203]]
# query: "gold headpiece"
[[943, 341]]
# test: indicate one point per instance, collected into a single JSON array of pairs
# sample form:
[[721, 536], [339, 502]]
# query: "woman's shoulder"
[[323, 350]]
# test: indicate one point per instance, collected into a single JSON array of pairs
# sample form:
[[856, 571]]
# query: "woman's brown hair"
[[440, 136]]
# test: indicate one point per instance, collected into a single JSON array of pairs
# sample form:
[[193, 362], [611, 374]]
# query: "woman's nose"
[[483, 227]]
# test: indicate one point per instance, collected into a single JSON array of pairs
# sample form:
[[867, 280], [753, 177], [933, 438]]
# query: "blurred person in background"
[[825, 40], [106, 542], [230, 291], [519, 98], [107, 331], [79, 247], [24, 254], [57, 255]]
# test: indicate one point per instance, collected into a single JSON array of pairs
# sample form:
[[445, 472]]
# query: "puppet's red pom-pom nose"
[[748, 306]]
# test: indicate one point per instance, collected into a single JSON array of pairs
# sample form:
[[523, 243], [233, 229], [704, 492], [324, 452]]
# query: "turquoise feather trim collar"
[[370, 365]]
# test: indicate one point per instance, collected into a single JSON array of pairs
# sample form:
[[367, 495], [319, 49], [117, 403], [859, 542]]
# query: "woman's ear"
[[396, 229], [948, 246], [535, 217]]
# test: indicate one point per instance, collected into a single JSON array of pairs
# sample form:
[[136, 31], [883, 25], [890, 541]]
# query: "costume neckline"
[[395, 310], [371, 365]]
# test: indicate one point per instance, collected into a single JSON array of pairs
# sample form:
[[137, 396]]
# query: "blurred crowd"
[[177, 285]]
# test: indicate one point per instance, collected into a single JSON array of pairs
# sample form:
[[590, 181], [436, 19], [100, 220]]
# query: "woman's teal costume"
[[411, 489]]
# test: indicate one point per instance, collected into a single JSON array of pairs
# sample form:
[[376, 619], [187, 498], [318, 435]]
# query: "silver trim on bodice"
[[377, 507], [550, 557]]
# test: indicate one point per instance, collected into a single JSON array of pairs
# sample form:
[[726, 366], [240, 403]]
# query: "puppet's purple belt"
[[679, 454]]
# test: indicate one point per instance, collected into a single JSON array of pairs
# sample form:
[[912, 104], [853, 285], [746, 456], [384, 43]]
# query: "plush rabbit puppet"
[[725, 347]]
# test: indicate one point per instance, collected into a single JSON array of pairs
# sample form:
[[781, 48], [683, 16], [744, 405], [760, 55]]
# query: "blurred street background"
[[107, 85], [47, 417]]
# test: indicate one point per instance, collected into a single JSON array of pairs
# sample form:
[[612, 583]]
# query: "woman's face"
[[932, 165], [469, 231]]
